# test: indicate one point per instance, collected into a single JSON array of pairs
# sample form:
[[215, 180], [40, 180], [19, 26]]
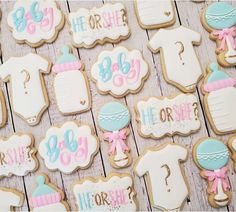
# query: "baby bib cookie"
[[17, 155], [219, 19], [107, 23], [47, 197], [154, 14], [69, 147], [232, 147], [113, 119], [120, 71], [219, 94], [112, 193], [211, 156], [10, 199], [161, 116], [166, 182], [35, 22], [28, 92], [180, 64], [71, 84]]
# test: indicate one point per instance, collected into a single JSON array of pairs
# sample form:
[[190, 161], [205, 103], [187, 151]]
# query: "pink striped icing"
[[213, 86], [47, 199], [57, 68]]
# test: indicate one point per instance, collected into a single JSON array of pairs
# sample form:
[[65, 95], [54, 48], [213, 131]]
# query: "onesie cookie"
[[219, 95], [113, 119], [28, 92], [219, 19], [10, 198], [17, 155], [154, 14], [71, 84], [211, 156], [166, 182], [107, 23], [160, 116], [112, 193], [120, 71], [35, 22], [232, 147], [180, 64], [47, 197], [69, 147]]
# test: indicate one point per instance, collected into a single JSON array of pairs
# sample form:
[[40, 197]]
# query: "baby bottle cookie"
[[211, 156], [232, 147], [47, 197], [219, 18], [219, 100], [71, 84], [113, 119]]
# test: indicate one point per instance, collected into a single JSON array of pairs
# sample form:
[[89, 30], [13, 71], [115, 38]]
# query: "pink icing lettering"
[[118, 80], [134, 72], [117, 197], [182, 112], [48, 20], [65, 158], [82, 152]]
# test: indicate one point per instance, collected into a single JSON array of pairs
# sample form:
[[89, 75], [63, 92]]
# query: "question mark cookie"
[[232, 147], [219, 19], [47, 197], [180, 64], [120, 71], [35, 22], [211, 157], [160, 116], [69, 147], [28, 92], [17, 155], [10, 198], [107, 23], [112, 193], [166, 182]]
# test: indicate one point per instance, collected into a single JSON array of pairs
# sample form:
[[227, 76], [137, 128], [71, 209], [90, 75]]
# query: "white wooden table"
[[187, 15]]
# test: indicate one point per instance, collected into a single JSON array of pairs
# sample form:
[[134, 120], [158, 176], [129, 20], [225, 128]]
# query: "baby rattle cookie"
[[10, 198], [113, 119], [107, 23], [120, 71], [219, 19], [219, 94], [47, 197], [211, 157], [179, 61], [35, 22], [232, 147], [17, 155], [154, 14], [71, 84], [69, 147], [167, 187]]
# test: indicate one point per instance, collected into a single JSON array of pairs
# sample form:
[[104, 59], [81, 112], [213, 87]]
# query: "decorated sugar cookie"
[[35, 22], [160, 116], [120, 71], [28, 92], [180, 64], [69, 147], [71, 84], [3, 110], [211, 156], [154, 14], [112, 193], [167, 187], [113, 119], [90, 27], [219, 19], [17, 155], [10, 199], [219, 94], [232, 147], [47, 197]]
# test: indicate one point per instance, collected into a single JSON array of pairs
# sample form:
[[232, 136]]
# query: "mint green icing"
[[216, 74], [66, 56]]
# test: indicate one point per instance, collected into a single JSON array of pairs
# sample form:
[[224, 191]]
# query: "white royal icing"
[[35, 21], [181, 64], [29, 98], [119, 71], [90, 26], [168, 188], [53, 207]]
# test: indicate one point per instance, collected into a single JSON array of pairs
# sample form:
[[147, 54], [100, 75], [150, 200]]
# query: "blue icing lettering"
[[105, 69], [70, 143], [37, 15], [84, 201], [123, 65], [78, 24], [52, 151], [19, 20], [147, 116]]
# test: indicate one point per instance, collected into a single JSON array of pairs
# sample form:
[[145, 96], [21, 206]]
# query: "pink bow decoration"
[[115, 138], [226, 33], [216, 177]]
